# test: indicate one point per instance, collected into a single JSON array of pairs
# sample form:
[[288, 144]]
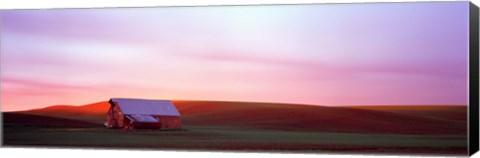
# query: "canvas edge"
[[473, 108]]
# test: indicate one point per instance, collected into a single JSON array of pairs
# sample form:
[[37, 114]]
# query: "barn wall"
[[147, 125], [118, 116], [170, 122], [109, 117], [115, 117], [128, 124]]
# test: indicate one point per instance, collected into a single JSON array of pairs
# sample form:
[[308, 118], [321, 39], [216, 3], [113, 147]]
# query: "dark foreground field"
[[431, 130]]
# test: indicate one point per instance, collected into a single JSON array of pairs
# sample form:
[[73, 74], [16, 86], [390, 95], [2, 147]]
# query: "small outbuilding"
[[142, 113]]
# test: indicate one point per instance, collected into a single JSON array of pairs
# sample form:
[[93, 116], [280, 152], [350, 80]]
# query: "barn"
[[142, 113]]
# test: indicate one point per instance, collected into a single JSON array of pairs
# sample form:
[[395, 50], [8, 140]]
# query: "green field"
[[214, 138]]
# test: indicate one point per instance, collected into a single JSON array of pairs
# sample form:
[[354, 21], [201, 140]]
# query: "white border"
[[83, 153]]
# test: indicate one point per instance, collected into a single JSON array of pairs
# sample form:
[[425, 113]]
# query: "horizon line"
[[233, 101]]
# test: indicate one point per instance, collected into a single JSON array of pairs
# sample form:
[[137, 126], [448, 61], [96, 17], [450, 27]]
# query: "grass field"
[[253, 127]]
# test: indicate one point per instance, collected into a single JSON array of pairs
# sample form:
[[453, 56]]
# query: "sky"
[[330, 54]]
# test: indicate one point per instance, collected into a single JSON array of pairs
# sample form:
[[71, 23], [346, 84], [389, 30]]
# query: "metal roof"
[[141, 118], [146, 107]]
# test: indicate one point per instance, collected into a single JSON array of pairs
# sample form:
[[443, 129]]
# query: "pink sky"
[[337, 54]]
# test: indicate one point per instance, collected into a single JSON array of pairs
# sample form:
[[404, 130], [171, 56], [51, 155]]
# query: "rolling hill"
[[27, 120], [293, 117], [457, 112], [94, 112]]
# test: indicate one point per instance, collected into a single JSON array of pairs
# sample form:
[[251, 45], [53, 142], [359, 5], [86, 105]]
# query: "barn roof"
[[146, 107], [141, 118]]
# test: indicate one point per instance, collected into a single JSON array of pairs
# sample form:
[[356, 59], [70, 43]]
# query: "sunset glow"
[[348, 54]]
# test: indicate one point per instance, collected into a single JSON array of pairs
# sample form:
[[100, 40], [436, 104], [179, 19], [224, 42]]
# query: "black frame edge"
[[473, 106]]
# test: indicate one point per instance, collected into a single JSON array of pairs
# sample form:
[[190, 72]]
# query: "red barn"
[[142, 113]]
